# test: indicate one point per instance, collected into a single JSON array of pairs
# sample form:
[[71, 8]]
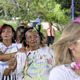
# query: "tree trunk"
[[5, 12]]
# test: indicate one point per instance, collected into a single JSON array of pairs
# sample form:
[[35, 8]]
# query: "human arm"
[[54, 33], [19, 62], [6, 57], [12, 64], [1, 52]]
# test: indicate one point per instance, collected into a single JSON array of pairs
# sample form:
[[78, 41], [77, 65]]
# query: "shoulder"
[[36, 19], [47, 51], [59, 73], [46, 48], [1, 44], [2, 47], [58, 68], [17, 45]]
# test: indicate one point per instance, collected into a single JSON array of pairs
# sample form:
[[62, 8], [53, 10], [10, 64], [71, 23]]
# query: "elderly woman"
[[36, 63], [67, 54]]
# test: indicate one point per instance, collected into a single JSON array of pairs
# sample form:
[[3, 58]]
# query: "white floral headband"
[[34, 29]]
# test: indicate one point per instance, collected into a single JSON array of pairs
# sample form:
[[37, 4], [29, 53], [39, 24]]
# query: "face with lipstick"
[[7, 33]]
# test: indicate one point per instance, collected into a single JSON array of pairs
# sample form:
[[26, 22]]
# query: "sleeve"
[[19, 45], [57, 74], [36, 19], [49, 51], [40, 20], [1, 46], [21, 57]]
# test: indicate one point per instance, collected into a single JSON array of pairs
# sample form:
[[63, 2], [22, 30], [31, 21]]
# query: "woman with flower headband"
[[67, 54], [37, 62]]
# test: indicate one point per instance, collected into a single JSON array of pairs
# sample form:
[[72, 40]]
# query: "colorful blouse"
[[39, 64]]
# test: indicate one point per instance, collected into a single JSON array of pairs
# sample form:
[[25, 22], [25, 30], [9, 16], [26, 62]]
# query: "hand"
[[22, 50], [1, 52], [49, 61], [12, 63], [7, 72]]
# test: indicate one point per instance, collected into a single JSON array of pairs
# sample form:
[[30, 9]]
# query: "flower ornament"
[[75, 65], [77, 20]]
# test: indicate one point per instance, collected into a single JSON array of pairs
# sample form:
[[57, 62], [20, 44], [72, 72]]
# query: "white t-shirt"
[[63, 72], [6, 50], [39, 69], [50, 32]]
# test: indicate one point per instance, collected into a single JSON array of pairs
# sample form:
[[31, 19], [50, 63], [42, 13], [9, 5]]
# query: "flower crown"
[[34, 29]]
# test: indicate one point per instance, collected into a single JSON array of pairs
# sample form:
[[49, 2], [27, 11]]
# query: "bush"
[[7, 18]]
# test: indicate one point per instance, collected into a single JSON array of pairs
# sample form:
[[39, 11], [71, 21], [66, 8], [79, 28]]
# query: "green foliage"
[[57, 34], [60, 15], [26, 10], [67, 4], [7, 18], [1, 22], [12, 24]]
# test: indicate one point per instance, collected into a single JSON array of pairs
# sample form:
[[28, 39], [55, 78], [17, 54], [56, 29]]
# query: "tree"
[[67, 4]]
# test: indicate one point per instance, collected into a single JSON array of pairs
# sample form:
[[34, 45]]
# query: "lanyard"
[[25, 63], [5, 50], [26, 59]]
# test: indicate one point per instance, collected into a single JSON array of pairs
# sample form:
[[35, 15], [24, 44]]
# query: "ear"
[[71, 47]]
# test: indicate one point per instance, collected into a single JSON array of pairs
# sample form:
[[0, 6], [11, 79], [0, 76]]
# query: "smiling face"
[[7, 33], [32, 39]]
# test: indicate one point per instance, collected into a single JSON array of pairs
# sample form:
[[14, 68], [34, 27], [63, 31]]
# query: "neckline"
[[5, 45], [35, 50]]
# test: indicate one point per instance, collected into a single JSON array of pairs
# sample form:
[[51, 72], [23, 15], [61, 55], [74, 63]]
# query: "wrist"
[[7, 71]]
